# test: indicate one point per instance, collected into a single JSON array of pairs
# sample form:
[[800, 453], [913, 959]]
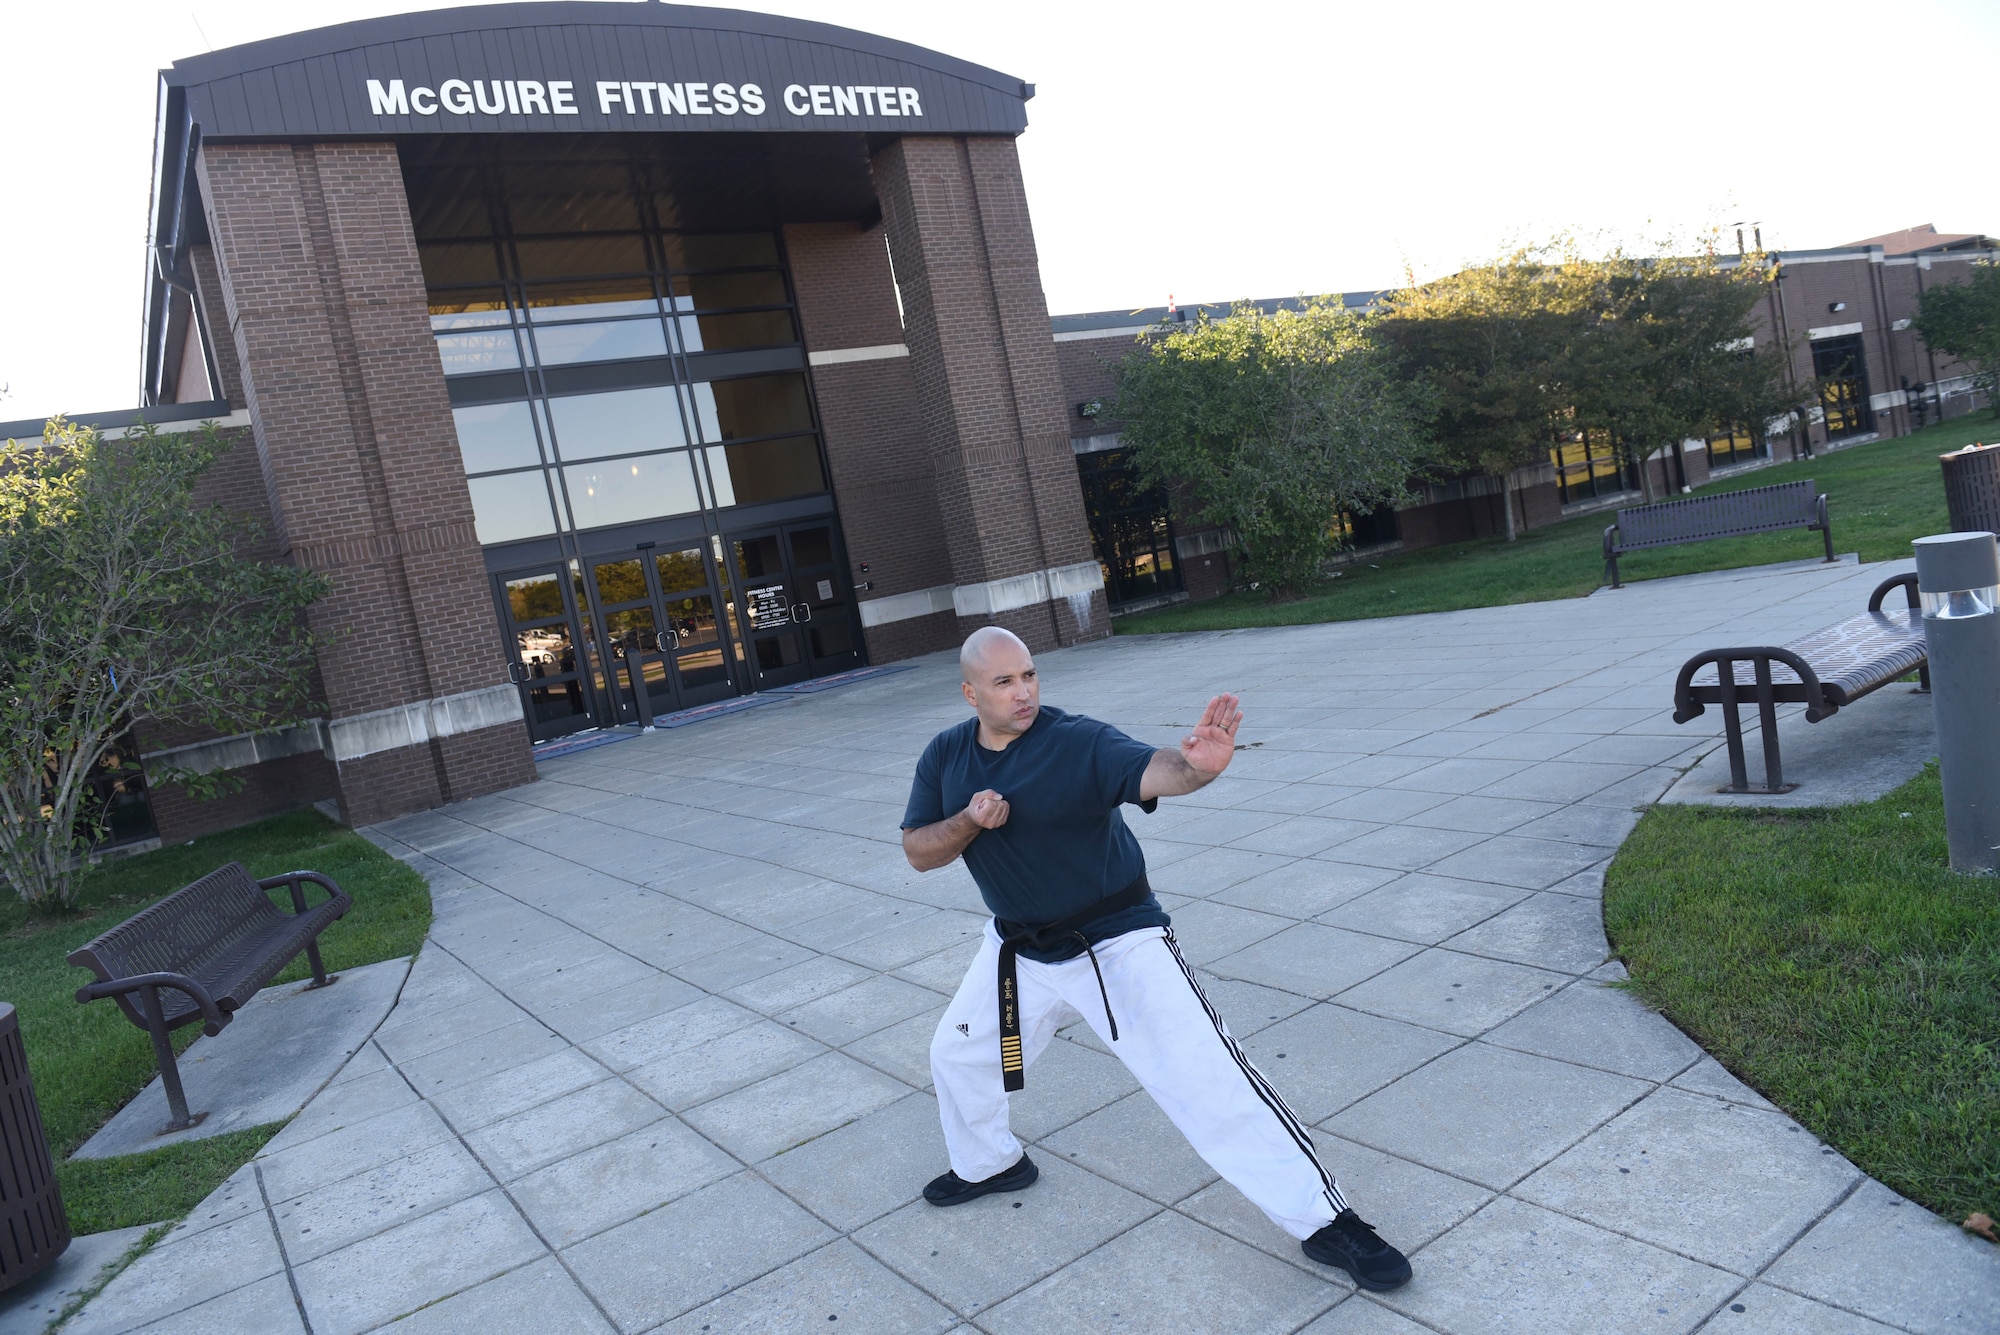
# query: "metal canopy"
[[316, 84]]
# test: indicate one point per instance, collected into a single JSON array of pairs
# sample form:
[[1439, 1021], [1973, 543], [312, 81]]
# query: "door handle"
[[802, 612], [517, 672], [667, 641]]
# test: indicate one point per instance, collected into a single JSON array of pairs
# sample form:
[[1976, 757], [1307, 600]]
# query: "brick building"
[[610, 360], [614, 360], [1844, 313]]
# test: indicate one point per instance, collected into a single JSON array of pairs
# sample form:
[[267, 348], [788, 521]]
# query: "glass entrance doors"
[[627, 638], [658, 610], [546, 653], [795, 609]]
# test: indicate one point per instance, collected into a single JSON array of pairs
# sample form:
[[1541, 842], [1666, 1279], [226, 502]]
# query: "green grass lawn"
[[1829, 959], [1879, 496], [88, 1061]]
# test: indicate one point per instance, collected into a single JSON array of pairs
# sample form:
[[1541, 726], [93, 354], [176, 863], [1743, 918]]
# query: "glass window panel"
[[621, 491], [571, 197], [551, 703], [468, 354], [493, 436], [598, 299], [757, 558], [765, 405], [721, 250], [632, 630], [562, 344], [534, 597], [768, 470], [623, 421], [750, 329], [511, 506], [621, 581], [448, 262], [812, 546], [574, 256], [476, 308], [833, 636], [693, 619], [546, 649], [681, 570], [719, 291]]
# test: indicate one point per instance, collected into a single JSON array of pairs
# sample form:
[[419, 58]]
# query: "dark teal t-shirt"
[[1065, 845]]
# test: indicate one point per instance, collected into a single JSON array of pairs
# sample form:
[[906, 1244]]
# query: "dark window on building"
[[1131, 530], [1842, 371], [1373, 529], [1591, 463], [1736, 445], [117, 797]]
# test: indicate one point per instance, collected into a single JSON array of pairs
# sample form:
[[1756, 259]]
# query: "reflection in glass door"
[[543, 637], [657, 612], [797, 610]]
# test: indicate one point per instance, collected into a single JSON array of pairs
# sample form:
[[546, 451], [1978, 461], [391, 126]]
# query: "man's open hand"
[[1213, 741], [987, 810]]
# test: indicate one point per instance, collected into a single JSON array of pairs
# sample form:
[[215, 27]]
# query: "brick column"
[[987, 381], [874, 430], [326, 309]]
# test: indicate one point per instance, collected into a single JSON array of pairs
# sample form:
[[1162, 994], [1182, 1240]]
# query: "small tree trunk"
[[1507, 502]]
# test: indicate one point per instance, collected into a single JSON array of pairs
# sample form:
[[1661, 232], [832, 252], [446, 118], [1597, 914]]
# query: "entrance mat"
[[582, 741], [716, 710], [818, 684]]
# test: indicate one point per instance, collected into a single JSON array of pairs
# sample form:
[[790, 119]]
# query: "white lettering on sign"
[[557, 97]]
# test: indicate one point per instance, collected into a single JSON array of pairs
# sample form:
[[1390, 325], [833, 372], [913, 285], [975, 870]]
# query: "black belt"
[[1013, 1074]]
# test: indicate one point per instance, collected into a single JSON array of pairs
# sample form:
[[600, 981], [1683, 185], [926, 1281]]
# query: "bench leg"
[[1732, 729], [170, 1071], [1611, 568], [320, 975], [1767, 720]]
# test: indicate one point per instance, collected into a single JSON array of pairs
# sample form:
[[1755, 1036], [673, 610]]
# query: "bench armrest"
[[1686, 707], [1908, 583], [1610, 543], [212, 1017], [292, 881]]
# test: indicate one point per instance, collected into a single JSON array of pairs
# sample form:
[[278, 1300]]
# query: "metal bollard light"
[[1958, 576]]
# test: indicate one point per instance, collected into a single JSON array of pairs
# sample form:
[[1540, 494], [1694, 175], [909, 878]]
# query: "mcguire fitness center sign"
[[646, 97], [584, 68]]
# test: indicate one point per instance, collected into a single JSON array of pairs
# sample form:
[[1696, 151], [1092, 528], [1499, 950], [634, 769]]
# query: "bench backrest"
[[190, 930], [1726, 514]]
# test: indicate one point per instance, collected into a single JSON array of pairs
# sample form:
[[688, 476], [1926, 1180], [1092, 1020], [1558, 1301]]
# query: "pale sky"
[[1205, 151]]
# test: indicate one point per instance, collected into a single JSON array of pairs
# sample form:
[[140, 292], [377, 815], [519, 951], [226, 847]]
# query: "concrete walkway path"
[[662, 1065]]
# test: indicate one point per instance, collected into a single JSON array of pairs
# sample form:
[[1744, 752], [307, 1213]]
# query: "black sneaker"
[[1351, 1244], [951, 1189]]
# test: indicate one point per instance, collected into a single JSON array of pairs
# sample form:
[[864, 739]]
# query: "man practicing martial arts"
[[1029, 796]]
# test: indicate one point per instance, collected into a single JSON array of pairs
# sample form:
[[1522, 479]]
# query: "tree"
[[1494, 341], [1269, 425], [121, 599], [1546, 341], [1962, 320]]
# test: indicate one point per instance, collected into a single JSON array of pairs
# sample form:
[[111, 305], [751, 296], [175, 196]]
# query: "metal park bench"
[[202, 953], [1823, 671], [1726, 514]]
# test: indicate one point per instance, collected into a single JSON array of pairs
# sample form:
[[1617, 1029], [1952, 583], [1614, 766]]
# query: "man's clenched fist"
[[987, 809]]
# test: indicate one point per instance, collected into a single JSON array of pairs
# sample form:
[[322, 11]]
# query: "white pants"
[[1169, 1036]]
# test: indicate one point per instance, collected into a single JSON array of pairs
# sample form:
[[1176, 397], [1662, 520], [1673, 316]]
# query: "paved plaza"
[[662, 1064]]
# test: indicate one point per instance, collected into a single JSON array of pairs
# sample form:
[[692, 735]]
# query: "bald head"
[[982, 645], [1000, 684]]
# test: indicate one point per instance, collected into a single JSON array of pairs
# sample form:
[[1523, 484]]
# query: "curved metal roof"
[[593, 67]]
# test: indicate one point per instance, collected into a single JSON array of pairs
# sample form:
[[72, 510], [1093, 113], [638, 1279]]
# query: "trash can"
[[34, 1230], [1972, 488]]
